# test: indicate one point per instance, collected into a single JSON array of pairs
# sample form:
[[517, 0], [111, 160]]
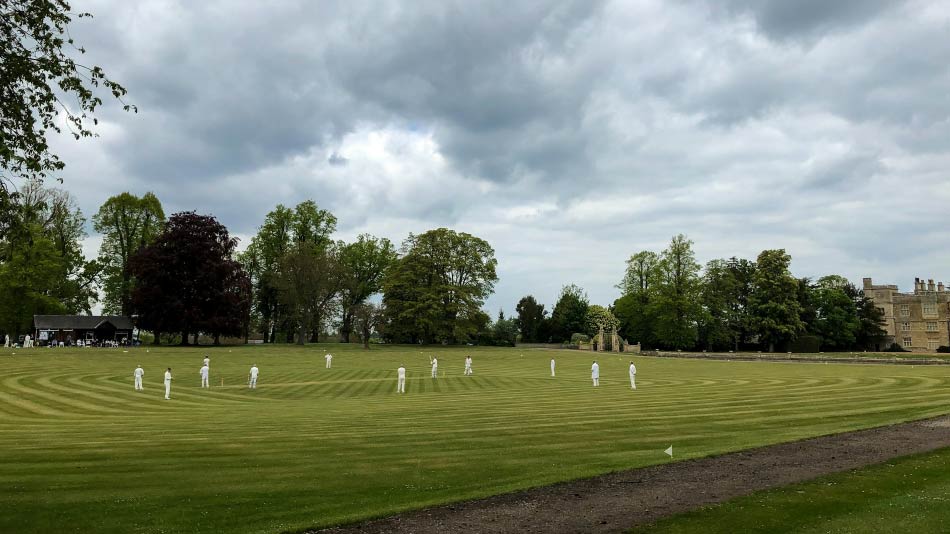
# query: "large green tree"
[[570, 313], [30, 266], [306, 227], [363, 263], [633, 308], [308, 281], [530, 320], [434, 292], [54, 213], [726, 286], [504, 331], [774, 304], [836, 321], [367, 318], [676, 305], [127, 223], [42, 82], [42, 268]]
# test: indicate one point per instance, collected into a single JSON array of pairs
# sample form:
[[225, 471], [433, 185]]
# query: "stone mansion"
[[918, 321]]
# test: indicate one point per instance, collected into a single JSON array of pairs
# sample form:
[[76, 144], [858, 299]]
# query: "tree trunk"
[[184, 338], [158, 339], [301, 334], [315, 334], [196, 339], [217, 339], [346, 327], [126, 297]]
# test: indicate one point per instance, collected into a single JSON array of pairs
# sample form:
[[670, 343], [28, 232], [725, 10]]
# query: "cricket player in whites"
[[252, 377], [595, 373], [207, 361], [204, 372], [329, 359], [468, 365], [168, 384], [401, 379], [633, 376], [435, 367], [138, 374], [552, 367]]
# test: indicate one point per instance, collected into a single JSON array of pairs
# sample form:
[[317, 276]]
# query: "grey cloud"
[[782, 19], [337, 160], [729, 121]]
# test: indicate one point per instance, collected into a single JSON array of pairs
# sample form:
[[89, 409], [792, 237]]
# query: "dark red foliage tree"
[[188, 281]]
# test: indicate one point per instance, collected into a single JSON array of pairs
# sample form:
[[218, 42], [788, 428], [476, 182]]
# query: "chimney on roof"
[[930, 285], [916, 285], [867, 283], [940, 287]]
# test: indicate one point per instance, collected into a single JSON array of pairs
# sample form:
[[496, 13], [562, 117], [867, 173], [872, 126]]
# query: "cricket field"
[[83, 452]]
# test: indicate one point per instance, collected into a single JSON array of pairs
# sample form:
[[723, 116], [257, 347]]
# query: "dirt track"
[[619, 501]]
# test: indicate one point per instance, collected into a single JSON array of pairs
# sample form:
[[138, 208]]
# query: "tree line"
[[182, 277], [668, 301]]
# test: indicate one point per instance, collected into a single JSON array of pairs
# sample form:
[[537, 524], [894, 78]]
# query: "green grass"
[[80, 451], [906, 495]]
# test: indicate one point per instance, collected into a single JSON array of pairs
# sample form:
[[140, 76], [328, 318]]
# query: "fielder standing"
[[633, 376], [168, 384], [252, 377], [138, 374], [468, 365], [204, 372], [595, 373], [329, 359], [401, 379], [435, 367], [552, 367]]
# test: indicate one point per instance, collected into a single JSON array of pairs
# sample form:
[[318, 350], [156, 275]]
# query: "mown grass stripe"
[[321, 445]]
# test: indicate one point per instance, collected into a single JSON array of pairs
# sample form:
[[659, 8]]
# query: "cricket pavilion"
[[84, 329]]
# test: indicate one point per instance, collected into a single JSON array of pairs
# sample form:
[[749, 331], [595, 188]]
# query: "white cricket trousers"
[[138, 383], [552, 370], [328, 364], [633, 381], [253, 383], [401, 385], [596, 382], [168, 390], [204, 382], [435, 372], [468, 370]]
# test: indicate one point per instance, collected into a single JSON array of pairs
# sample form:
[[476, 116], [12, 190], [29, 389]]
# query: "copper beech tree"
[[187, 281]]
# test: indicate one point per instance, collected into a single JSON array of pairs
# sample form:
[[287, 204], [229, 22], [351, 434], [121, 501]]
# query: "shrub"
[[944, 350], [805, 343], [579, 338]]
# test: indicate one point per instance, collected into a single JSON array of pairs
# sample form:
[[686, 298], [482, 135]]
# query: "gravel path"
[[619, 501]]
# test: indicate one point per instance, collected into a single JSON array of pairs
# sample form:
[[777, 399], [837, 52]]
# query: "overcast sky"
[[567, 134]]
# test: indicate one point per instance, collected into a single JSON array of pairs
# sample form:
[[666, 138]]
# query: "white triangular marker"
[[669, 451]]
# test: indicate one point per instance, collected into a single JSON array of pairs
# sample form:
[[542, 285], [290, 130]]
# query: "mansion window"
[[905, 327], [908, 343], [933, 345], [905, 310], [930, 308], [931, 326]]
